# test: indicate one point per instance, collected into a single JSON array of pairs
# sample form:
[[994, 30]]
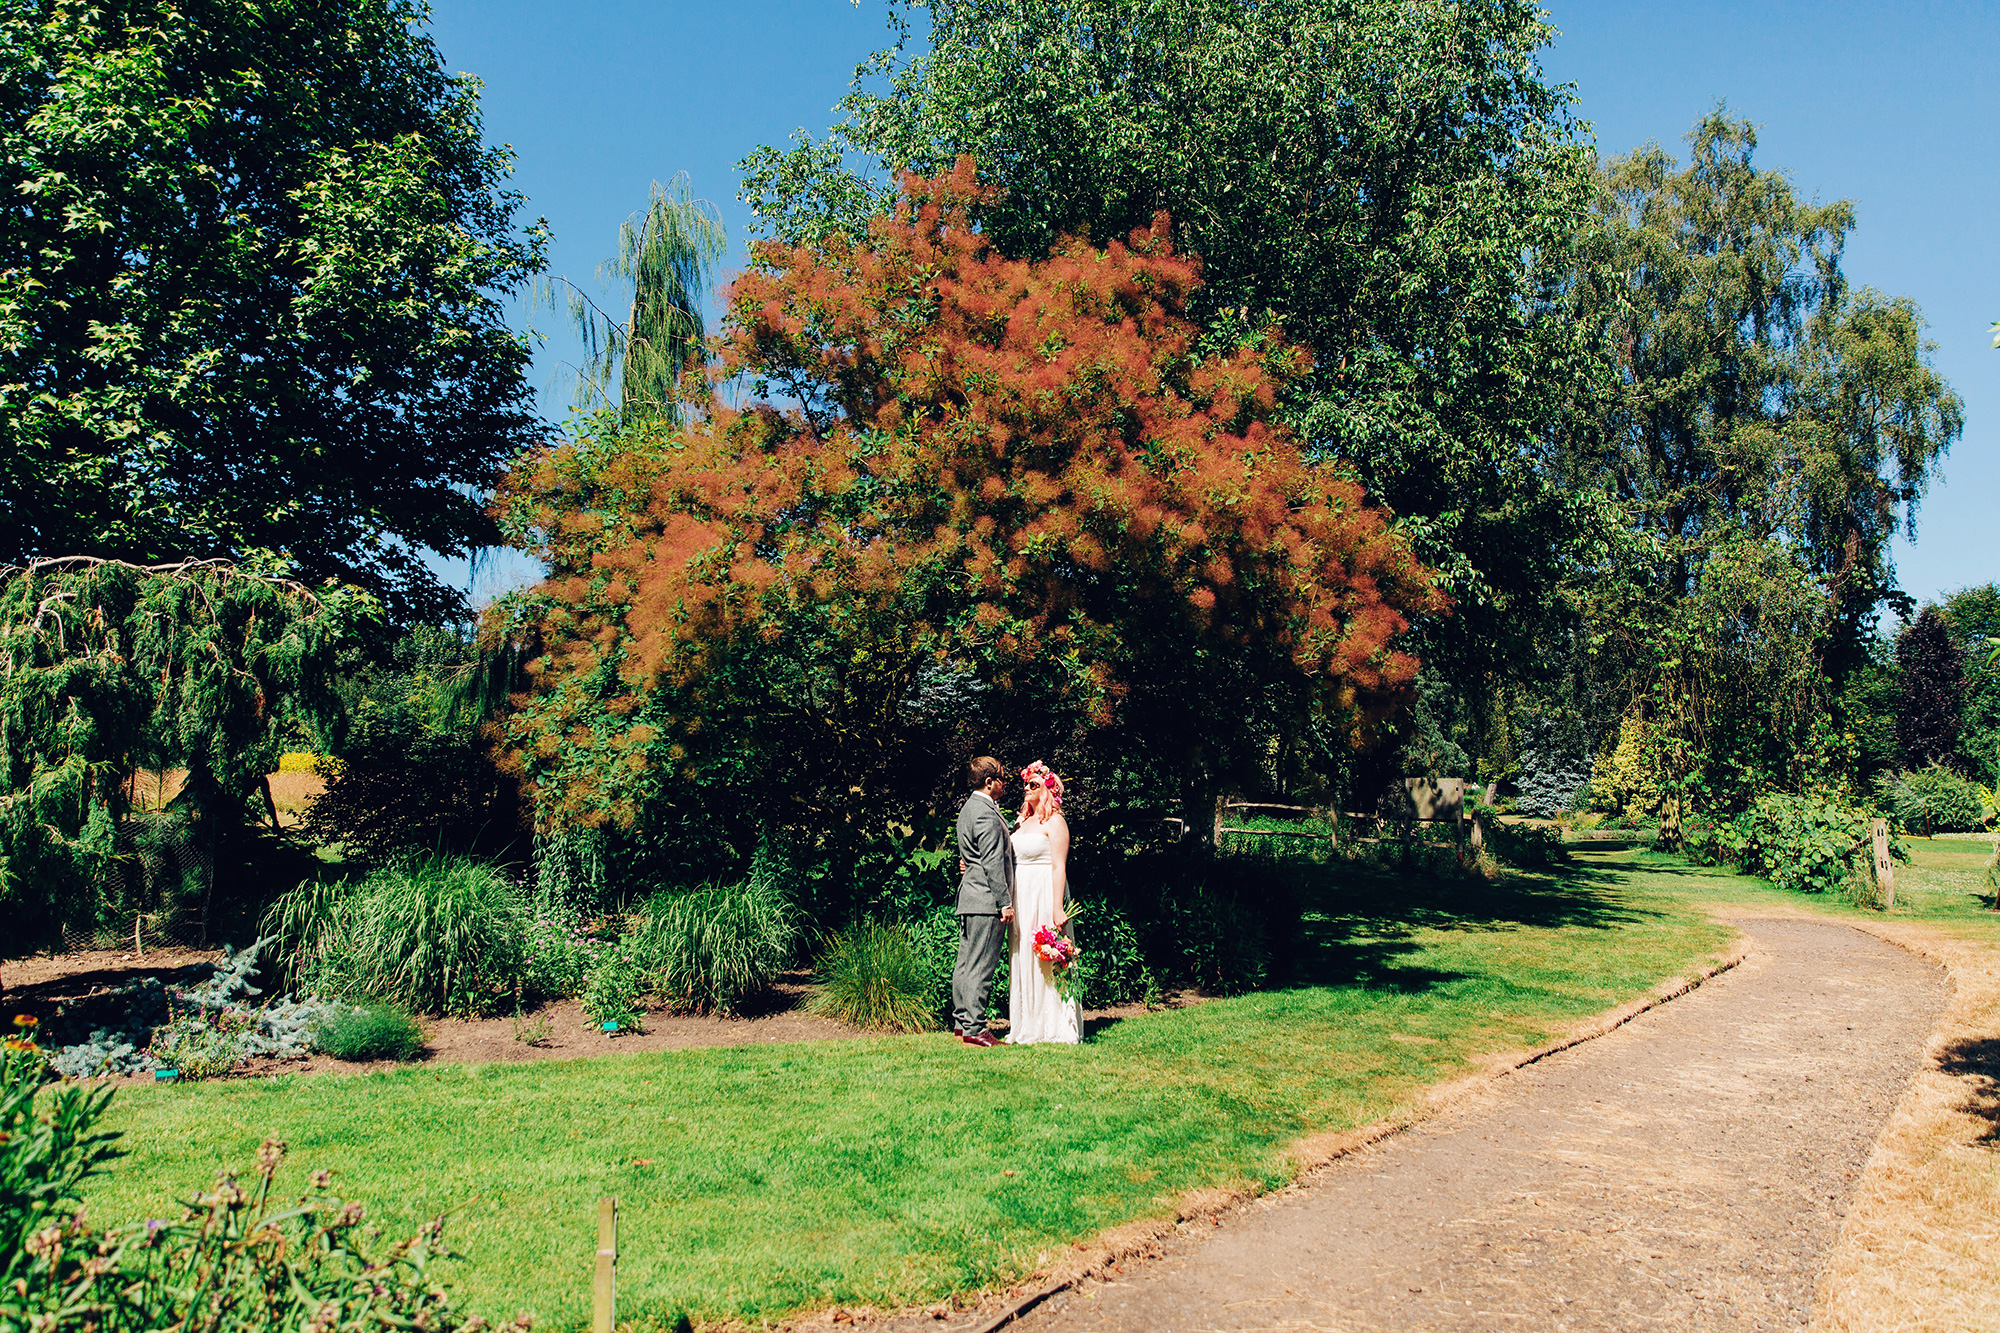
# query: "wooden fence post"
[[1885, 869], [1221, 808], [604, 1295]]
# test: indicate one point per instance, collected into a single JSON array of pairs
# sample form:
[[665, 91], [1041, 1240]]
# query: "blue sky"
[[1894, 106]]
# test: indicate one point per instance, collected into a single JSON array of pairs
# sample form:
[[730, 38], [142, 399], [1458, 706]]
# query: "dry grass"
[[1917, 1251], [152, 789], [292, 791]]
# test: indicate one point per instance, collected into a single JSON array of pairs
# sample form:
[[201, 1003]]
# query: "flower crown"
[[1039, 774]]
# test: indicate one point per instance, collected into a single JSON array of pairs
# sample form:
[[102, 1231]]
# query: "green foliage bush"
[[1214, 941], [437, 934], [616, 986], [1933, 799], [1810, 844], [1526, 845], [44, 1159], [872, 976], [197, 1044], [558, 949], [1112, 969], [236, 1261], [934, 940], [412, 774], [370, 1032], [710, 949]]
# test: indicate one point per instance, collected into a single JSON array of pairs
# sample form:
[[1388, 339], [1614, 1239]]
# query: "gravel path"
[[1689, 1170]]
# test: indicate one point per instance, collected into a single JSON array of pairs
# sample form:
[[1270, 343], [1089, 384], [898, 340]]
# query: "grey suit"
[[987, 847]]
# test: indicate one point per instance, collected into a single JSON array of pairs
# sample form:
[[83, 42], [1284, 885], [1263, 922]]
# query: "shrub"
[[44, 1159], [1525, 845], [203, 1029], [437, 934], [197, 1044], [873, 977], [1112, 970], [1805, 843], [1556, 765], [558, 949], [934, 941], [1933, 799], [710, 949], [617, 982], [370, 1032], [1213, 942]]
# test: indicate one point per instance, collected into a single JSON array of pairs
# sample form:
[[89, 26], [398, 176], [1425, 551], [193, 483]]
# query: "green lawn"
[[783, 1177]]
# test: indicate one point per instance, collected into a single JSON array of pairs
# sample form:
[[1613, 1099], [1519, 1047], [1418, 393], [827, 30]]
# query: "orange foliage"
[[979, 460]]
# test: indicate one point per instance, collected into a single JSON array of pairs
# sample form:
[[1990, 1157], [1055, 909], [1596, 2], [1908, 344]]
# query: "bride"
[[1036, 1011]]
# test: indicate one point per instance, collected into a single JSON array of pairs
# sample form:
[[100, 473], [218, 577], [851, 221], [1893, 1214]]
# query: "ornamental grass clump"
[[873, 976], [370, 1032], [709, 950], [437, 934]]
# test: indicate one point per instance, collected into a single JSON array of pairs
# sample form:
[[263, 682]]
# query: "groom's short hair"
[[982, 771]]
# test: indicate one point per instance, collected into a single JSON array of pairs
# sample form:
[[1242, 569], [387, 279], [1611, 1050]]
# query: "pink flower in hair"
[[1039, 774]]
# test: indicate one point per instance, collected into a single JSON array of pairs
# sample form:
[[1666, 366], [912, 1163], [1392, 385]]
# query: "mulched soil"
[[1689, 1170], [36, 986]]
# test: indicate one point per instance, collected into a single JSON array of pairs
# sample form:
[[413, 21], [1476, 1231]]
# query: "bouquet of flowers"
[[1059, 951]]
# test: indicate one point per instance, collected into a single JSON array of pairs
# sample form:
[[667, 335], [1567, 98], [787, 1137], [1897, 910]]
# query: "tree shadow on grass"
[[1359, 927], [1977, 1061]]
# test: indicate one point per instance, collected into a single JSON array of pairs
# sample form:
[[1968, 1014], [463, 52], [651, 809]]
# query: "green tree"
[[1932, 671], [1394, 185], [1972, 615], [666, 257], [1756, 398], [251, 258], [106, 667]]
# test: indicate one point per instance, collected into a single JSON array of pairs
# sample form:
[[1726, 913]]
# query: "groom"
[[985, 898]]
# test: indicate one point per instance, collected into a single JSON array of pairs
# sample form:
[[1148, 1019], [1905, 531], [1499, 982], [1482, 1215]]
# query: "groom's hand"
[[1006, 916]]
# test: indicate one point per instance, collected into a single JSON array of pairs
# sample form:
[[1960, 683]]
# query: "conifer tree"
[[1932, 666]]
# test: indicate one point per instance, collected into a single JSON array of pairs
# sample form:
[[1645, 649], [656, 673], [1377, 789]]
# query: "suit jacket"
[[986, 846]]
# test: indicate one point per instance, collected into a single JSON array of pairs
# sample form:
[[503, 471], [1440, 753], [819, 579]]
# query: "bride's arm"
[[1059, 853]]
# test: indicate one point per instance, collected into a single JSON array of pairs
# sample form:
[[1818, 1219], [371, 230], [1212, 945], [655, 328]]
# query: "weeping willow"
[[667, 256]]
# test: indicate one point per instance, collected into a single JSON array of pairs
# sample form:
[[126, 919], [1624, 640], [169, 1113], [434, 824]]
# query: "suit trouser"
[[980, 939]]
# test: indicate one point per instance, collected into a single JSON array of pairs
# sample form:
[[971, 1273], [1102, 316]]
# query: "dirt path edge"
[[1309, 1157], [1915, 1250]]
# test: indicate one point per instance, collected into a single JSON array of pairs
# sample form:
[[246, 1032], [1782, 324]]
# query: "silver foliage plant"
[[284, 1027]]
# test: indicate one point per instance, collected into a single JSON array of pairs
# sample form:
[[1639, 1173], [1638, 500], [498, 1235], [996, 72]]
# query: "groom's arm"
[[989, 857], [1003, 844]]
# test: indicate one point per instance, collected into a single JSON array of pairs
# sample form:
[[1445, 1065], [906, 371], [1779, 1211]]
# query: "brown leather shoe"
[[982, 1039]]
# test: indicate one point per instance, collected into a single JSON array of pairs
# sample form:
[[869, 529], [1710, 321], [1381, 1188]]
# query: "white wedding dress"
[[1036, 1011]]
